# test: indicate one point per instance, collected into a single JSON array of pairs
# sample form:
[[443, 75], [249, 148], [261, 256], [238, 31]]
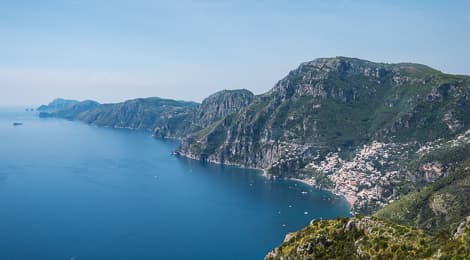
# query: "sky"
[[112, 51]]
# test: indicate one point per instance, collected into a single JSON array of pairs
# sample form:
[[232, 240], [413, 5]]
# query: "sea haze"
[[72, 191]]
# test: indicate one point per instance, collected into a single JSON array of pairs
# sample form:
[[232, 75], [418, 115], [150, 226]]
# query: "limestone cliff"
[[333, 107]]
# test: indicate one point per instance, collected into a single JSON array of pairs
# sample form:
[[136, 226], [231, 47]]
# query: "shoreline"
[[180, 154], [310, 182], [349, 199]]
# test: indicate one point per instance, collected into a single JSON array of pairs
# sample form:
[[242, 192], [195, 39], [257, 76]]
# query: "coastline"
[[181, 154], [310, 182], [350, 199]]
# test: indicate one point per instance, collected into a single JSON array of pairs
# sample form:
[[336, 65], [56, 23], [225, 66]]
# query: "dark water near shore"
[[71, 191]]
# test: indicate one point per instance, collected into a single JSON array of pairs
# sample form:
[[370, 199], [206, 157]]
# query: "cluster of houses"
[[366, 178]]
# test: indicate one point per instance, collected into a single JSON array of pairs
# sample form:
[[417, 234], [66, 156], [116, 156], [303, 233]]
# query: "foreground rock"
[[369, 238]]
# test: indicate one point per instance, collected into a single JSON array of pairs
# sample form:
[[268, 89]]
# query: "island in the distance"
[[394, 139]]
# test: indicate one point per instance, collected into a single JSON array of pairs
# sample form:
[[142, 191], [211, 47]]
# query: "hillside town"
[[367, 180]]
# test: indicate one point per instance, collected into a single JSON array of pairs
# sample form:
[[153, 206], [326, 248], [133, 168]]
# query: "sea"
[[73, 191]]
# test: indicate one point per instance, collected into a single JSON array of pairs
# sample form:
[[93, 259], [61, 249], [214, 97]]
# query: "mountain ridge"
[[388, 137], [334, 106]]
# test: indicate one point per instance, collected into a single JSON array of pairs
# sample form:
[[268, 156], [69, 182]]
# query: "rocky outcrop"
[[462, 228], [219, 105]]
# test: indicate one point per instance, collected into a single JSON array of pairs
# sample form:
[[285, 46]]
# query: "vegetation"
[[439, 206], [369, 238], [340, 103], [388, 131], [424, 224]]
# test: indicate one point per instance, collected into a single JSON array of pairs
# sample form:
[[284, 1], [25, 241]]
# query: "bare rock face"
[[309, 78], [364, 224], [452, 122], [433, 171], [288, 237], [306, 248], [461, 228]]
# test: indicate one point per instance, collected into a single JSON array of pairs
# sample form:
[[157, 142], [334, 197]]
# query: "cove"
[[73, 191]]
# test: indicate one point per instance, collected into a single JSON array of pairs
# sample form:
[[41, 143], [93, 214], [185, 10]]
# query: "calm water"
[[71, 191]]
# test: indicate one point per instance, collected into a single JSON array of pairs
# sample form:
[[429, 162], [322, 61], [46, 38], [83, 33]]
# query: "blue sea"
[[73, 191]]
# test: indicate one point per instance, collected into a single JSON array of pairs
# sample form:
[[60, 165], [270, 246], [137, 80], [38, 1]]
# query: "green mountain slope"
[[170, 117], [394, 139], [340, 102], [441, 205], [144, 113], [163, 117], [346, 124]]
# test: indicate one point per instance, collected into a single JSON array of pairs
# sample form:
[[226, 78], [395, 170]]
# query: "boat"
[[17, 123]]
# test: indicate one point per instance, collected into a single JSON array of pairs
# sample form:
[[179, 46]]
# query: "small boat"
[[17, 123]]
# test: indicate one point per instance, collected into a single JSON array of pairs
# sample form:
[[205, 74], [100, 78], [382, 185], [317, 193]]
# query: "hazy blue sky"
[[116, 50]]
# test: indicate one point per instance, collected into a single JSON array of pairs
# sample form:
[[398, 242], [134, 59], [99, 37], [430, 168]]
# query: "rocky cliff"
[[335, 116], [170, 117], [165, 118], [219, 105], [394, 139], [212, 109], [336, 103]]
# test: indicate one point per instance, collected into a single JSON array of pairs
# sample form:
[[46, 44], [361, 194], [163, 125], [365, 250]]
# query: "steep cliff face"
[[212, 109], [367, 117], [336, 103], [219, 105], [165, 118]]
